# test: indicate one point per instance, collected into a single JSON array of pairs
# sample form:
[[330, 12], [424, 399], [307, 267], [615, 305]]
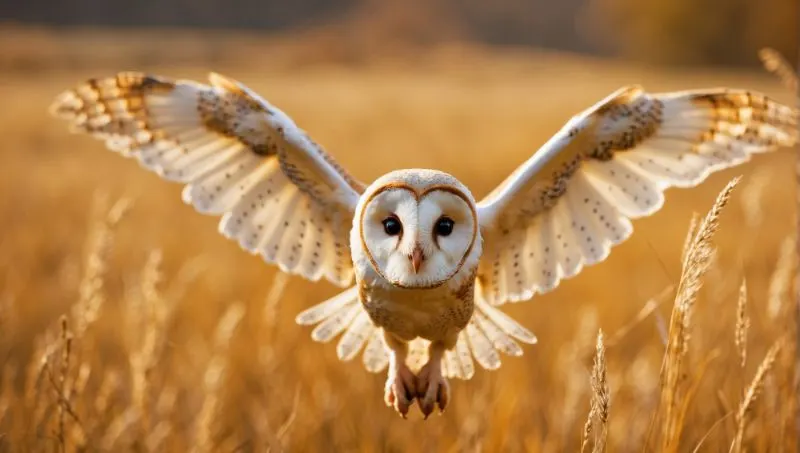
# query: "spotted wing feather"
[[279, 194], [566, 206]]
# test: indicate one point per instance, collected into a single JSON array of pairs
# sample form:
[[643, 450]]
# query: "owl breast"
[[436, 314]]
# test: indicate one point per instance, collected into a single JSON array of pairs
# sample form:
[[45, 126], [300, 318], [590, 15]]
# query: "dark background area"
[[693, 32]]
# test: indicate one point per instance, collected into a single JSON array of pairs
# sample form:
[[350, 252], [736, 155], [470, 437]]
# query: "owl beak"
[[417, 258]]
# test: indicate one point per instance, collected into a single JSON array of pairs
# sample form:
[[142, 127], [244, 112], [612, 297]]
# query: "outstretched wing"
[[489, 333], [279, 194], [571, 201]]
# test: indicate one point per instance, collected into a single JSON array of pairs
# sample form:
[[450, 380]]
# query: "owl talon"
[[432, 388], [400, 389]]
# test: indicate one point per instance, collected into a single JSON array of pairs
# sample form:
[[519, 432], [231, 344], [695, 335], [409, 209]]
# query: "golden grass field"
[[193, 346]]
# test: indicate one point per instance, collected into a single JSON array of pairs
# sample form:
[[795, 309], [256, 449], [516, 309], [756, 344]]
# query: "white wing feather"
[[279, 194], [572, 200]]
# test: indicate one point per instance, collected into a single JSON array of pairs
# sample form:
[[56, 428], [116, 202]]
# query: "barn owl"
[[422, 264]]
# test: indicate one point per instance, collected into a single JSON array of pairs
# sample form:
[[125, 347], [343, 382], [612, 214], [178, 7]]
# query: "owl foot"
[[432, 388], [400, 389]]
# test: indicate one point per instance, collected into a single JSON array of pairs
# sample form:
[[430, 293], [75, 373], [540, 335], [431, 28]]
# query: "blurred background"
[[173, 339], [676, 32]]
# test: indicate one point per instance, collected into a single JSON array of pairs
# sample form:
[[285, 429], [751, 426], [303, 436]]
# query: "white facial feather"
[[444, 252], [418, 199]]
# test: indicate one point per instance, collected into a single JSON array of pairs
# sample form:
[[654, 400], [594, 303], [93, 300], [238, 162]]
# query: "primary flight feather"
[[423, 262]]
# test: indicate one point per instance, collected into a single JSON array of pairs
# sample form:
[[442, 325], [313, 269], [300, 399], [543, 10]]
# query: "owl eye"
[[392, 226], [444, 226]]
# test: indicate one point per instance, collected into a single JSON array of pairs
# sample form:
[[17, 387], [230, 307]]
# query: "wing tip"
[[61, 108], [621, 96], [307, 317], [221, 81]]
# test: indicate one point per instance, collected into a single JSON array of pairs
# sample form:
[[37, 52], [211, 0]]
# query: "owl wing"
[[279, 194], [573, 199], [489, 333]]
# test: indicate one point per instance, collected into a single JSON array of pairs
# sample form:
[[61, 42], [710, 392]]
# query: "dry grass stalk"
[[151, 335], [63, 389], [775, 63], [690, 234], [59, 377], [600, 396], [587, 430], [779, 311], [751, 394], [279, 440], [270, 314], [742, 324], [570, 365], [597, 421], [69, 376], [780, 283], [649, 308], [108, 387], [45, 346], [118, 429], [91, 296], [697, 259], [215, 377], [752, 201]]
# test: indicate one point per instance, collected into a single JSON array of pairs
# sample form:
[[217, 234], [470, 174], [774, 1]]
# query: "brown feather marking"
[[243, 103], [114, 107], [644, 114], [466, 294], [226, 113], [467, 288]]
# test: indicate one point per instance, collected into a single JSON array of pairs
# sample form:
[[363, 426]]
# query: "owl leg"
[[432, 387], [401, 382]]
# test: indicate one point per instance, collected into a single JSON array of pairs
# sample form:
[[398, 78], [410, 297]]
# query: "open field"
[[473, 113]]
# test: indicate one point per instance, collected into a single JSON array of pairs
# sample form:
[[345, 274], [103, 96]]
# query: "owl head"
[[415, 229]]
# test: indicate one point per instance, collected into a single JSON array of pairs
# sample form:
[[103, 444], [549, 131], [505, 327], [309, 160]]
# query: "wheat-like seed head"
[[148, 312], [92, 297], [601, 399], [697, 259], [694, 223], [587, 430], [570, 365], [752, 392], [597, 421], [742, 324]]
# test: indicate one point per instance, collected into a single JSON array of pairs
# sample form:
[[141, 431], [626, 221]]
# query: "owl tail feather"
[[489, 332]]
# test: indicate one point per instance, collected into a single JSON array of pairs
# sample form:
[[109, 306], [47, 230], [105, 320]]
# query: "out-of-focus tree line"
[[694, 31], [657, 31]]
